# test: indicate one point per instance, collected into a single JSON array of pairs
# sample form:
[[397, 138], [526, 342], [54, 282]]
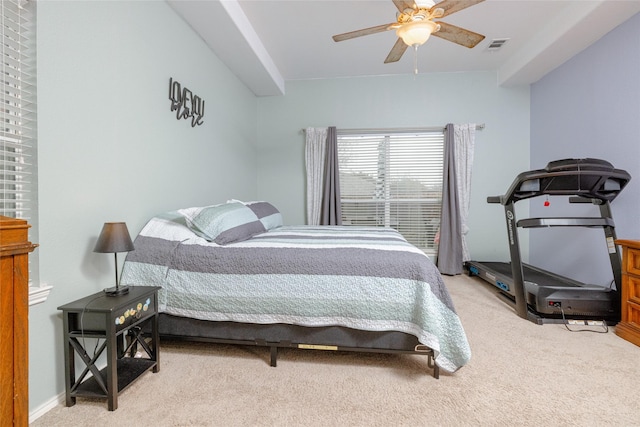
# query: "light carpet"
[[520, 374]]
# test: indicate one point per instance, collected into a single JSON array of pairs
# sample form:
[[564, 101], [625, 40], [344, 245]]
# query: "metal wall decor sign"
[[185, 103]]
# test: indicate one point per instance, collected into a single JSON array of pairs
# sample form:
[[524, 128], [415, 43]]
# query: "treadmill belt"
[[530, 275]]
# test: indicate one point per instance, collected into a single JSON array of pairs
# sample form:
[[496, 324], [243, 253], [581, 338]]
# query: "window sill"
[[38, 294]]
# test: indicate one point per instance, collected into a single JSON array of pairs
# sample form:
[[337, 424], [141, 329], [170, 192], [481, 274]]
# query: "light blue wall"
[[425, 100], [106, 132], [110, 149], [589, 107]]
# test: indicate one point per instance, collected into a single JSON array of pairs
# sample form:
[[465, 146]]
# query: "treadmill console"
[[587, 178]]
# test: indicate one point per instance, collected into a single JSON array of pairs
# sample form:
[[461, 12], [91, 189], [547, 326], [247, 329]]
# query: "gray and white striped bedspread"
[[361, 278]]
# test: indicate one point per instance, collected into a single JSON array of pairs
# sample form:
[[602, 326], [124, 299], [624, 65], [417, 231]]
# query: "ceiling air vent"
[[496, 44]]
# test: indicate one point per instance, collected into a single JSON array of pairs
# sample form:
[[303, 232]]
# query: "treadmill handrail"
[[565, 222], [580, 199]]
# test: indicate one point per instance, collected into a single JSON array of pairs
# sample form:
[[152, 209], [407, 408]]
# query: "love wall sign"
[[185, 103]]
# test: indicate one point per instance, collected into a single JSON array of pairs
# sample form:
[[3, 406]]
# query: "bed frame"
[[275, 336]]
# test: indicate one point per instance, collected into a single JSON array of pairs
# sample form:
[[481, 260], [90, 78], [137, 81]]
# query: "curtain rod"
[[480, 126]]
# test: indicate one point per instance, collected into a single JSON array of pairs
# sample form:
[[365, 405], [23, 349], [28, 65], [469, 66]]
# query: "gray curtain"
[[331, 213], [450, 251]]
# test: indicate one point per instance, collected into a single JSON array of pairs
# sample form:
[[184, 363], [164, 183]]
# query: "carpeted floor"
[[520, 374]]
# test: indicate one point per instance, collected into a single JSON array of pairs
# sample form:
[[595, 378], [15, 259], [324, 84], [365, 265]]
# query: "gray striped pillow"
[[224, 224], [268, 214]]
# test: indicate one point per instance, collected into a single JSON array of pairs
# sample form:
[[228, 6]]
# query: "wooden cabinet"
[[629, 326], [14, 323]]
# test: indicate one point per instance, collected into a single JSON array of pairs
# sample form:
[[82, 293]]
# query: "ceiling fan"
[[415, 23]]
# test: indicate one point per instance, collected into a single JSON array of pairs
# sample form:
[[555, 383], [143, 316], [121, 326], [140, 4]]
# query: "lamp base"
[[117, 291]]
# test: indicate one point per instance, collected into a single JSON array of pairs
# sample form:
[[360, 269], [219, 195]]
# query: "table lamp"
[[114, 238]]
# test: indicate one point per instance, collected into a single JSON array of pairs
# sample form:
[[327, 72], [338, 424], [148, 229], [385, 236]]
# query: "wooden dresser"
[[629, 326], [14, 321]]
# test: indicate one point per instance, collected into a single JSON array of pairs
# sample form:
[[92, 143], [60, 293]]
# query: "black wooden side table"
[[117, 323]]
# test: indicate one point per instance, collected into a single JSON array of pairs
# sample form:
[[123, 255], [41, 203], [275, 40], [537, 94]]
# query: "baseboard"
[[46, 407], [55, 401]]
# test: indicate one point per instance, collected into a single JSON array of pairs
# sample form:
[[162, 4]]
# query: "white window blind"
[[393, 179], [17, 136], [18, 191]]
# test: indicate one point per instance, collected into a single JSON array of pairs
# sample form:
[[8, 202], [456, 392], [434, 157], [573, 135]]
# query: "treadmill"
[[542, 296]]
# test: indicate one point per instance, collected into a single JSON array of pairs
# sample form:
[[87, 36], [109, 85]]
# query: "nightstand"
[[114, 326]]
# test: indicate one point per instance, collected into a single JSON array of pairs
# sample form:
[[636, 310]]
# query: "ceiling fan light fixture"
[[416, 33]]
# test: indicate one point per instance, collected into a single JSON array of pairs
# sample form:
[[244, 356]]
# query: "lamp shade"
[[114, 238], [416, 32]]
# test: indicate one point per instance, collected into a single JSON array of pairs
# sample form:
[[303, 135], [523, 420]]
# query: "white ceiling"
[[267, 42]]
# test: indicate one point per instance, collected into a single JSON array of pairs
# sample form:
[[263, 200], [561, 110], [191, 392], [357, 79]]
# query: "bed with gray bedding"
[[234, 276]]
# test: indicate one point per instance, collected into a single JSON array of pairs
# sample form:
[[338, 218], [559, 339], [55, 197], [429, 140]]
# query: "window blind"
[[18, 184], [17, 135], [393, 179]]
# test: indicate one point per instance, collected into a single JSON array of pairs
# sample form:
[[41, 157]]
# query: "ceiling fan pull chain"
[[415, 59]]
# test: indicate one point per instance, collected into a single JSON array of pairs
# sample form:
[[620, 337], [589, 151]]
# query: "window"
[[18, 184], [393, 179]]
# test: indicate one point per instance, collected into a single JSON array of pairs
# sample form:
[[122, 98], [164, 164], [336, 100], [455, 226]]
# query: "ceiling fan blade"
[[403, 5], [458, 35], [397, 51], [362, 32], [453, 6]]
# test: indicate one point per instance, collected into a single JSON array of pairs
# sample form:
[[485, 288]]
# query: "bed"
[[232, 273]]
